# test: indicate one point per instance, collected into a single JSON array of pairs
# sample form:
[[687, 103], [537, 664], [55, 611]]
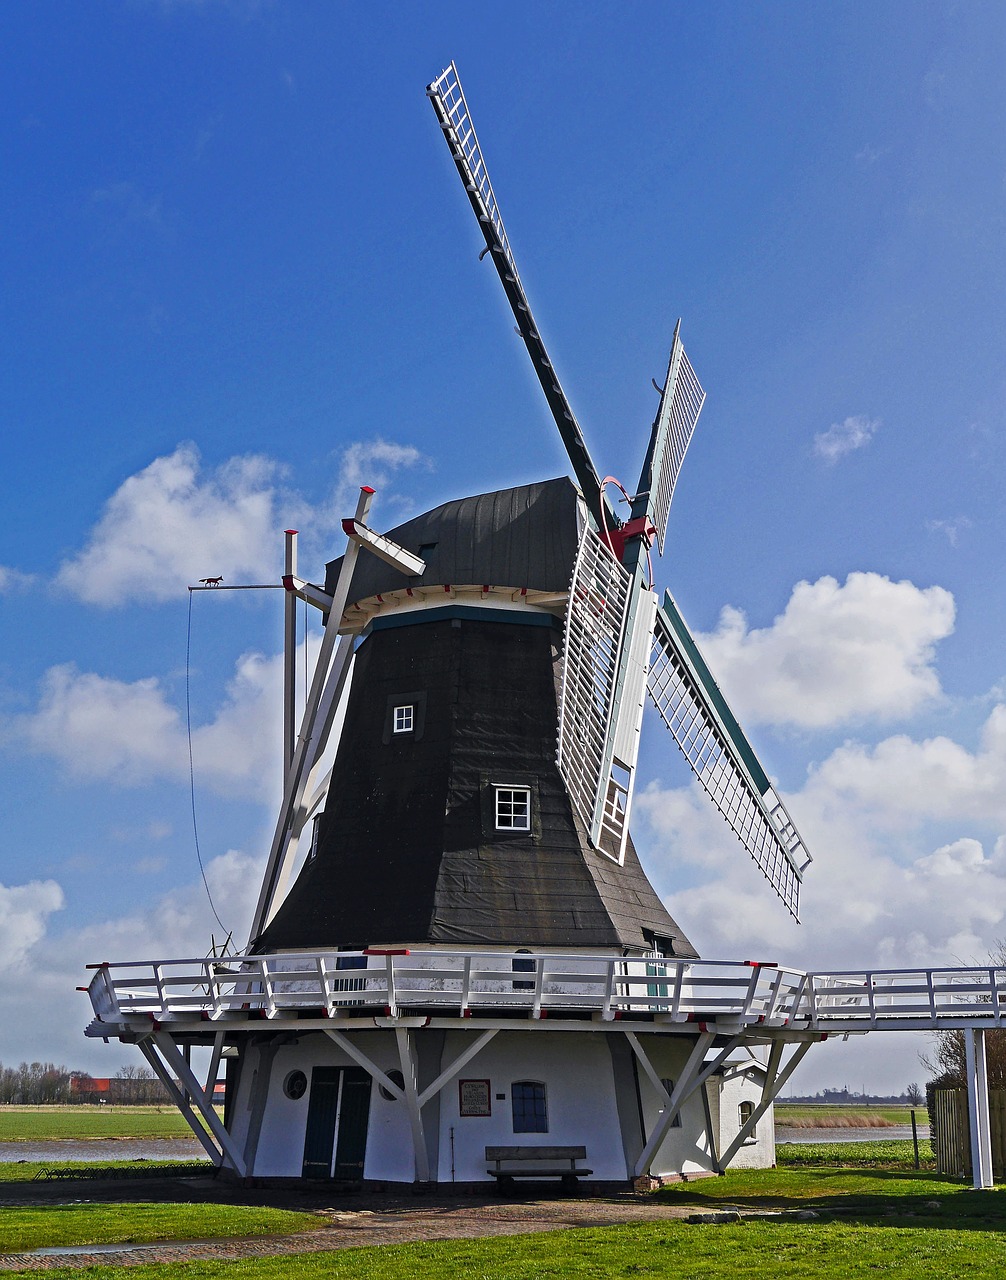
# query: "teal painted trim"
[[465, 612], [716, 698]]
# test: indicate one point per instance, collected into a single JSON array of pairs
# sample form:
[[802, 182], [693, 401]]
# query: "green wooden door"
[[354, 1111], [337, 1115]]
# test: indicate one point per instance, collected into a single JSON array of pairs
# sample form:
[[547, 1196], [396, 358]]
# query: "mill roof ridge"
[[523, 536]]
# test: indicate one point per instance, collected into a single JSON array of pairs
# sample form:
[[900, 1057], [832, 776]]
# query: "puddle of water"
[[62, 1150], [72, 1250], [785, 1134]]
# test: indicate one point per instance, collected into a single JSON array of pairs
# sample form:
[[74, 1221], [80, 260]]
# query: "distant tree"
[[138, 1085], [914, 1095]]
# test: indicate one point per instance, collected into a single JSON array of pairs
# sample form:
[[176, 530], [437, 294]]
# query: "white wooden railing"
[[456, 983], [447, 982]]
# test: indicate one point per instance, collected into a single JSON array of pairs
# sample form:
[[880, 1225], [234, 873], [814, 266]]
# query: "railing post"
[[609, 991], [389, 963]]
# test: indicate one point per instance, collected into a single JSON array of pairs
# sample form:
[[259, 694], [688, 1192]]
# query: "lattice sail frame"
[[679, 413], [451, 107], [592, 647], [691, 705]]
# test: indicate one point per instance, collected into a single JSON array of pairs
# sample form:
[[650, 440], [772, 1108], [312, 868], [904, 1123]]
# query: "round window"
[[295, 1085], [395, 1077]]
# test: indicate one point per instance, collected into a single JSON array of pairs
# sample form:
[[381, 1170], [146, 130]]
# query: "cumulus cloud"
[[838, 653], [172, 523], [129, 733], [881, 891], [51, 965], [843, 437], [175, 522]]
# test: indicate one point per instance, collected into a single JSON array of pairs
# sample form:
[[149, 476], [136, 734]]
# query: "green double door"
[[338, 1110]]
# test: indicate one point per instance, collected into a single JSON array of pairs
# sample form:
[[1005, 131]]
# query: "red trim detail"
[[380, 598], [618, 1015], [365, 488], [291, 531], [83, 988], [386, 951], [638, 528], [447, 586], [288, 582], [408, 591], [387, 1010], [542, 1013], [762, 964], [703, 1026], [523, 591], [349, 526], [486, 588]]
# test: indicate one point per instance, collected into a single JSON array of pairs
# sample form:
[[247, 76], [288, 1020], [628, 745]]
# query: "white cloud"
[[129, 733], [843, 437], [951, 529], [24, 910], [52, 965], [882, 892], [170, 524], [175, 522], [372, 463], [837, 653], [14, 579]]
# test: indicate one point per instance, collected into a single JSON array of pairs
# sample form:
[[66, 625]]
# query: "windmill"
[[452, 863], [618, 640]]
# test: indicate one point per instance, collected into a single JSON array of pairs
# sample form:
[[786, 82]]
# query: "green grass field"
[[844, 1117], [36, 1124], [22, 1229], [877, 1216]]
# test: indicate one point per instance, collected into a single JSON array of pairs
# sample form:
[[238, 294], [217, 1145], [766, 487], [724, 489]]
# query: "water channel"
[[165, 1150]]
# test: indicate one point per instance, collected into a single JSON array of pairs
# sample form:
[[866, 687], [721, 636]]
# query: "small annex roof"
[[521, 537]]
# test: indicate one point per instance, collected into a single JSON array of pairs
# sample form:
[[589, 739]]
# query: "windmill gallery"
[[458, 969]]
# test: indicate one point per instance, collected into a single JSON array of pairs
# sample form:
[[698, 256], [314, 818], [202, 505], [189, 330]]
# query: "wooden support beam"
[[979, 1127]]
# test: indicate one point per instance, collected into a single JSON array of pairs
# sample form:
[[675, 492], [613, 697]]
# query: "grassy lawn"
[[879, 1153], [845, 1117], [26, 1170], [877, 1216], [924, 1251], [70, 1224], [34, 1124]]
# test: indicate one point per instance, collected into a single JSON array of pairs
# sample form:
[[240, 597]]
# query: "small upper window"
[[404, 720], [513, 808]]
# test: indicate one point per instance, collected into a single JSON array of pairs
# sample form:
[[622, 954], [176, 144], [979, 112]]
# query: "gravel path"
[[362, 1219]]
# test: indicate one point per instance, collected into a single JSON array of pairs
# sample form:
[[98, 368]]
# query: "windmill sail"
[[693, 708], [593, 645], [448, 100], [681, 403]]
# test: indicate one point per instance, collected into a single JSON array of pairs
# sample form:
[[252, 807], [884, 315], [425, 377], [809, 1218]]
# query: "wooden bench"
[[536, 1162]]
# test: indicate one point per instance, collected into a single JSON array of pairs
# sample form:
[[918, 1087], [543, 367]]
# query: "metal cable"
[[192, 775]]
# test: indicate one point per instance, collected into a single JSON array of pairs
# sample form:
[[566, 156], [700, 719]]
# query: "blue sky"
[[240, 277]]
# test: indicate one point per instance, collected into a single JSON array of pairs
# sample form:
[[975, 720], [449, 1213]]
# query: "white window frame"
[[506, 808], [403, 718]]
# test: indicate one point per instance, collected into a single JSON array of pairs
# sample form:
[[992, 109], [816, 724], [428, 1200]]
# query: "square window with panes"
[[513, 808], [530, 1114], [404, 719]]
